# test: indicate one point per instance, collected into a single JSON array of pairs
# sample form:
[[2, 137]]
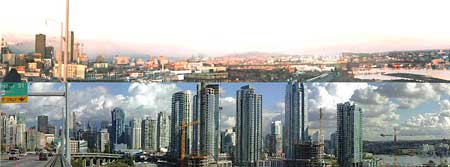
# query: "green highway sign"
[[14, 92]]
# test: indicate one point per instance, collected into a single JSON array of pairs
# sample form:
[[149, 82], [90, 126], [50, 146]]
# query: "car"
[[43, 156], [14, 154], [23, 154]]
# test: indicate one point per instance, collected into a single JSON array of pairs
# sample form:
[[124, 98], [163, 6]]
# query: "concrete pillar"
[[91, 162], [84, 162], [99, 162]]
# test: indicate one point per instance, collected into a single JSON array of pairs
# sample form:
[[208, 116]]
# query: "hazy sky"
[[220, 27]]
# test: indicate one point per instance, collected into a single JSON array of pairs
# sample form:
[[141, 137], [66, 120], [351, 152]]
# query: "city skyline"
[[416, 108], [303, 27]]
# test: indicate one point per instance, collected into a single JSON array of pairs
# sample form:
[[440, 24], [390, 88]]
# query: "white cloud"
[[445, 105], [96, 103]]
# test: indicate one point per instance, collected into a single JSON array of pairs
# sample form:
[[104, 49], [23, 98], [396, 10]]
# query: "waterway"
[[406, 160]]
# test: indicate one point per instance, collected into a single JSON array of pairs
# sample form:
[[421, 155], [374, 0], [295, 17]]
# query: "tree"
[[12, 76]]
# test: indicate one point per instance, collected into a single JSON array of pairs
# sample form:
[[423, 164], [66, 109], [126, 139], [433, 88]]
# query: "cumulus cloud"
[[96, 102], [445, 105], [380, 102], [228, 112], [427, 125]]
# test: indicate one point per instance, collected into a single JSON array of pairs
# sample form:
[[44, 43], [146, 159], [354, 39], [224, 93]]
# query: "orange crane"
[[183, 137]]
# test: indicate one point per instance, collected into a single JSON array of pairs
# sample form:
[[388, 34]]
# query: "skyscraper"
[[3, 120], [249, 139], [21, 118], [149, 135], [206, 111], [39, 45], [228, 140], [103, 140], [10, 133], [49, 52], [349, 134], [136, 130], [275, 139], [181, 115], [163, 132], [42, 123], [72, 124], [71, 47], [296, 118], [118, 126]]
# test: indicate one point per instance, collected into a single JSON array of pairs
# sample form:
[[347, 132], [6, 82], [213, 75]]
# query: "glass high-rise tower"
[[181, 115], [249, 139], [149, 135], [349, 135], [206, 111], [118, 126], [296, 117]]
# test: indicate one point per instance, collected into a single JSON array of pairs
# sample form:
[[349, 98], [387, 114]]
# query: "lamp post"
[[66, 46]]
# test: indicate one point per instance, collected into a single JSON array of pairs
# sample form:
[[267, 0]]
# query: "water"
[[406, 160], [379, 74]]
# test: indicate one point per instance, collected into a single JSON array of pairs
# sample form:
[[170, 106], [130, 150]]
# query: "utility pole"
[[66, 48]]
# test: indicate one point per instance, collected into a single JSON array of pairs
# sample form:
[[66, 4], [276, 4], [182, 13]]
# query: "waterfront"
[[407, 160]]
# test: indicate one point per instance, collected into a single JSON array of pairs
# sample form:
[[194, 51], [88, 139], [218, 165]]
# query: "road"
[[29, 160]]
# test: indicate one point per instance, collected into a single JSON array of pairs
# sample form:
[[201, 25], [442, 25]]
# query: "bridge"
[[95, 159]]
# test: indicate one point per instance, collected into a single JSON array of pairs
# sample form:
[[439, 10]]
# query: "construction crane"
[[394, 146], [183, 137]]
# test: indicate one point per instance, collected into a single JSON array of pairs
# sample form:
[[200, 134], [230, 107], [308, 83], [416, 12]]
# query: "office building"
[[149, 135], [71, 47], [43, 123], [103, 140], [163, 132], [39, 46], [275, 139], [333, 144], [49, 52], [349, 135], [136, 129], [180, 120], [296, 118], [10, 132], [51, 129], [228, 140], [72, 124], [118, 126], [31, 138], [206, 111], [21, 118], [249, 139], [74, 71]]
